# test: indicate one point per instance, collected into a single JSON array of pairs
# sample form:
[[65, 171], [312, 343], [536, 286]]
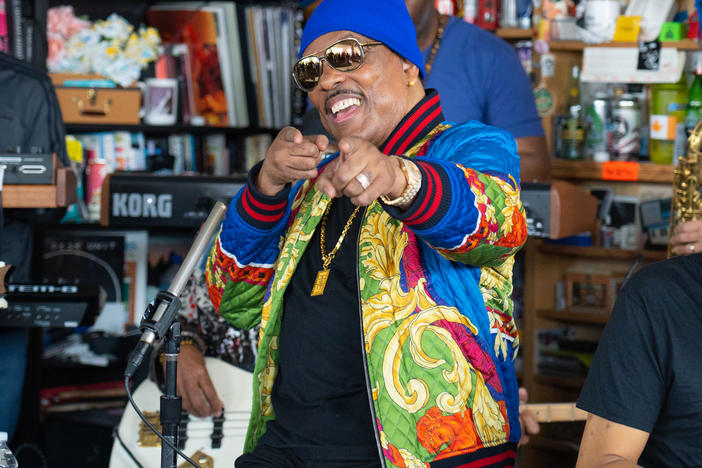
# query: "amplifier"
[[146, 200], [51, 306], [536, 199], [558, 209], [24, 168]]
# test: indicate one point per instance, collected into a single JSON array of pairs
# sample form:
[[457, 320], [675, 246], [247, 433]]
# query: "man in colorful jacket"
[[381, 275]]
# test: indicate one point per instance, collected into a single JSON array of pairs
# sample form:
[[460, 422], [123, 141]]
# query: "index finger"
[[211, 396], [321, 141]]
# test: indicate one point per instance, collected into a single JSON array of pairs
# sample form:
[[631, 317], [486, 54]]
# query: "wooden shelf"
[[42, 196], [546, 443], [577, 317], [601, 252], [167, 129], [566, 382], [648, 172], [685, 44], [515, 33]]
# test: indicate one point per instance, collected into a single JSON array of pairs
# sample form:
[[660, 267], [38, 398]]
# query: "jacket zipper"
[[371, 405]]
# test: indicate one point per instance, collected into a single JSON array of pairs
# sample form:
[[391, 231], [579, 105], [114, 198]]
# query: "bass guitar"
[[217, 442]]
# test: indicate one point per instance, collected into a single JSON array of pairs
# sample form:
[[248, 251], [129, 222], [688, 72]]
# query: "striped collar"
[[418, 122]]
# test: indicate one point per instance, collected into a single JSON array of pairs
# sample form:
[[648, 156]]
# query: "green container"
[[668, 108]]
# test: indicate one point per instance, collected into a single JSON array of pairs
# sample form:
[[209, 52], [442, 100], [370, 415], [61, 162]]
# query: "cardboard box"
[[96, 105]]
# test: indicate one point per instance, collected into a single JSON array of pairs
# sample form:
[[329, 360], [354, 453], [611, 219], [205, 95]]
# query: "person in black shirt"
[[643, 389]]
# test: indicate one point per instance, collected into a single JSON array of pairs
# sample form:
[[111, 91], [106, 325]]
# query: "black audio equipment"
[[536, 199], [25, 168], [51, 305], [146, 200]]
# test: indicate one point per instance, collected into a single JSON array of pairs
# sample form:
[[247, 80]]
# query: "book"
[[229, 53], [4, 38], [237, 62], [216, 154], [247, 66], [13, 16], [200, 29], [299, 104]]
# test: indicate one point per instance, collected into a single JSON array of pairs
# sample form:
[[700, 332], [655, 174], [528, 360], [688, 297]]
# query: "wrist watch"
[[414, 183]]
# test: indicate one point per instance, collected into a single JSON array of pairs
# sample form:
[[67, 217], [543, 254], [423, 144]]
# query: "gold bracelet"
[[414, 183], [188, 341], [184, 341]]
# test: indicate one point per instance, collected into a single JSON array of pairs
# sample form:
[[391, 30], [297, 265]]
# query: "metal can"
[[508, 13], [626, 128], [95, 173], [598, 118]]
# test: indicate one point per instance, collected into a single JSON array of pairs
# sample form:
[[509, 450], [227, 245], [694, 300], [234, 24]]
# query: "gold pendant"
[[320, 283]]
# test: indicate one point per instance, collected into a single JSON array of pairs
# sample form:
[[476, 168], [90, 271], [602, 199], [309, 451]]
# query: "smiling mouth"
[[344, 108]]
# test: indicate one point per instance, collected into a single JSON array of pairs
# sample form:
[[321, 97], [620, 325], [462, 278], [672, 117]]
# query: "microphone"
[[159, 315]]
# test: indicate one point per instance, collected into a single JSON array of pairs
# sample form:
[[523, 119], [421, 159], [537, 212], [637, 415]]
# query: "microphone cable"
[[153, 429]]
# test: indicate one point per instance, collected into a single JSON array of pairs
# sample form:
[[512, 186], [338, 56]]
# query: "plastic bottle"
[[7, 459], [668, 103], [694, 100]]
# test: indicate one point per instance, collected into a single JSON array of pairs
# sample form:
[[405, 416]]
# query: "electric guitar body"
[[209, 442]]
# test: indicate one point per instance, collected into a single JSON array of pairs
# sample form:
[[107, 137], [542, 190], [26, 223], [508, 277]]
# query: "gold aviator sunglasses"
[[344, 55]]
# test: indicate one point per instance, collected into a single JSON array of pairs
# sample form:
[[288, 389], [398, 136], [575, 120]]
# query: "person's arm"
[[469, 208], [534, 162], [242, 258], [609, 444]]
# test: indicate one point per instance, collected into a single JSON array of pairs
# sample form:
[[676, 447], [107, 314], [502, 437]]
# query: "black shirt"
[[320, 398], [647, 371]]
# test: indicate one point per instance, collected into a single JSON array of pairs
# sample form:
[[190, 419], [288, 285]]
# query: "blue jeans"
[[13, 360]]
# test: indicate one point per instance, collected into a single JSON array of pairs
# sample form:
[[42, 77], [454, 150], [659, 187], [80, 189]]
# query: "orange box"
[[95, 105]]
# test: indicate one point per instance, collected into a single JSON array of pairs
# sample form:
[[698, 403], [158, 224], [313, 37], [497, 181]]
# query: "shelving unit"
[[42, 196], [575, 317], [515, 33], [168, 129], [578, 46], [589, 170]]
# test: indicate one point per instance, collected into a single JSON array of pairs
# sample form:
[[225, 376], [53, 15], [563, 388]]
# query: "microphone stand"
[[159, 322], [170, 401]]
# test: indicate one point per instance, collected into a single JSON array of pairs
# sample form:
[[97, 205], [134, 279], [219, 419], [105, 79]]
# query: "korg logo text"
[[142, 205]]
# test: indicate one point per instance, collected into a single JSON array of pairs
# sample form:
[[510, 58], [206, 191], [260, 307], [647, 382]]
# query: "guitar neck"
[[555, 412]]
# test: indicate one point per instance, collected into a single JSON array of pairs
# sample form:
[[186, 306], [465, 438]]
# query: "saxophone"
[[686, 203]]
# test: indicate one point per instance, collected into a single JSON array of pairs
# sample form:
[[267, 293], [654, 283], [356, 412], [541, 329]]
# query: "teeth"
[[346, 103]]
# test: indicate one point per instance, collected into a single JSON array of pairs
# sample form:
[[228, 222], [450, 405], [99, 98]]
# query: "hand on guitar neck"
[[530, 425]]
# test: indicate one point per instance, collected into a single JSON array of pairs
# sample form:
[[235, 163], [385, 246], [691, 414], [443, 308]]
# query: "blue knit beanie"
[[387, 21]]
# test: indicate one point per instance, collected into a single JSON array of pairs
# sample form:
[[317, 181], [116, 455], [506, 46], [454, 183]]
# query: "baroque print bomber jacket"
[[434, 287]]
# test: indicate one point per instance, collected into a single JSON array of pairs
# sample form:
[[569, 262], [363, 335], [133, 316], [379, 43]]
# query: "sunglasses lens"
[[307, 72], [345, 55]]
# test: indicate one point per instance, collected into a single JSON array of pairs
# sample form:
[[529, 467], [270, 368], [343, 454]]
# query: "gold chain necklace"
[[320, 281], [443, 19]]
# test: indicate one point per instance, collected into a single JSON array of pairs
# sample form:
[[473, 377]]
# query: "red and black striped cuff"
[[422, 119], [259, 210], [501, 456], [431, 203]]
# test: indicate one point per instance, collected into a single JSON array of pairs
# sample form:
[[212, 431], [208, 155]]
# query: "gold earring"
[[411, 83]]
